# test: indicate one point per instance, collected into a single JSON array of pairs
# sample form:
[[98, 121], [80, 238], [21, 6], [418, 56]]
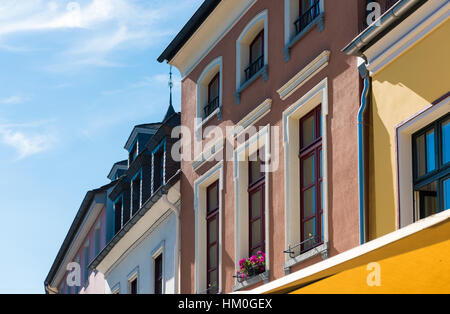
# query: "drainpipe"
[[362, 175], [176, 211]]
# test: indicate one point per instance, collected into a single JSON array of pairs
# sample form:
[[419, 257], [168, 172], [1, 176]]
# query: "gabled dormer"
[[138, 138], [118, 170]]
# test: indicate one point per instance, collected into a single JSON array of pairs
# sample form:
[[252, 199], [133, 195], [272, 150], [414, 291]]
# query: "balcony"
[[307, 18], [210, 107], [254, 68]]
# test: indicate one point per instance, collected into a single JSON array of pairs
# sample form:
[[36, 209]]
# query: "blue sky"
[[75, 77]]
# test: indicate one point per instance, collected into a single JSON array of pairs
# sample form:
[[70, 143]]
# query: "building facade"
[[268, 79], [142, 256], [87, 236]]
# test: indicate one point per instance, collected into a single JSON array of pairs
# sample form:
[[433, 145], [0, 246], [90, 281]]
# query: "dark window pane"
[[118, 215], [309, 232], [213, 202], [212, 230], [431, 160], [446, 193], [308, 171], [133, 286], [255, 170], [257, 48], [307, 129], [136, 186], [446, 141], [428, 200], [256, 232], [158, 274], [213, 256], [212, 282], [214, 88], [420, 155], [309, 202], [256, 205]]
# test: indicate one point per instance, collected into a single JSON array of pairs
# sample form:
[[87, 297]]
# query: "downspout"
[[176, 211], [362, 175]]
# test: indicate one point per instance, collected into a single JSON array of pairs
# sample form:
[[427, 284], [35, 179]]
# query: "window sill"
[[322, 249], [263, 72], [263, 277], [319, 21]]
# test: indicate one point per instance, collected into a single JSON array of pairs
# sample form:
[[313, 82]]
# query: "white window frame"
[[404, 132], [257, 24], [318, 95], [210, 71], [258, 141], [134, 274], [160, 250], [200, 186]]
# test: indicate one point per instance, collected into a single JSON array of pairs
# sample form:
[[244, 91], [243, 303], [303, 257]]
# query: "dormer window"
[[136, 193], [133, 152], [308, 11], [256, 58], [158, 166], [213, 96]]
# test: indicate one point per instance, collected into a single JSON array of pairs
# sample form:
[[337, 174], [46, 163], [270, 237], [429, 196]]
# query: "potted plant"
[[252, 266]]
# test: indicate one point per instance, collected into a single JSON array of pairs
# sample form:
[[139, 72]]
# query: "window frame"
[[211, 214], [158, 279], [441, 171], [312, 149], [216, 99], [252, 62], [254, 187]]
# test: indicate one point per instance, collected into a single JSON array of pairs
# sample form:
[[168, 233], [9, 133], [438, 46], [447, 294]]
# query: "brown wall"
[[342, 22]]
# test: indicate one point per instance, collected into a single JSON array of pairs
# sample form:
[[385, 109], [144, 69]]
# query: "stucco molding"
[[208, 153], [254, 116], [304, 75], [411, 31]]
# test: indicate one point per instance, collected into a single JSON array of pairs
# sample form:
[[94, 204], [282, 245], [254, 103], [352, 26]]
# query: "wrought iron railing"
[[306, 18], [304, 246], [254, 67], [210, 107], [251, 272]]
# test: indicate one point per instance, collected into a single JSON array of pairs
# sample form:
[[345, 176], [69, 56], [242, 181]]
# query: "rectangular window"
[[256, 58], [97, 237], [256, 196], [213, 96], [159, 274], [308, 11], [133, 152], [118, 208], [136, 194], [158, 167], [431, 168], [310, 156], [134, 286], [212, 223]]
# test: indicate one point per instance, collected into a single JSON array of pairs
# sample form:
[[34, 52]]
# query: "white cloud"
[[12, 100], [28, 139]]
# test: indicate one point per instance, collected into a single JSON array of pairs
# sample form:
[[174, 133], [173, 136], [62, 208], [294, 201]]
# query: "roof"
[[148, 128], [79, 217], [189, 29], [137, 216], [118, 165], [389, 20]]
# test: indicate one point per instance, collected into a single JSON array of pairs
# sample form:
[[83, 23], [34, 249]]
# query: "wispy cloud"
[[28, 139], [101, 26], [13, 100]]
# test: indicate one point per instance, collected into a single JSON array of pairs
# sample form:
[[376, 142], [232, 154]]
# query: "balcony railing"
[[306, 18], [254, 67], [210, 107]]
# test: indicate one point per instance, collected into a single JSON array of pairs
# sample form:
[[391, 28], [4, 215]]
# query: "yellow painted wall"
[[406, 86], [419, 263]]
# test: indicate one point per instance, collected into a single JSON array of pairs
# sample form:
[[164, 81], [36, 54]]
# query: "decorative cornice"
[[304, 75], [253, 117], [207, 154]]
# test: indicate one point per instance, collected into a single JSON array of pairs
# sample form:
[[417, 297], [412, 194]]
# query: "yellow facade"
[[419, 263], [407, 85]]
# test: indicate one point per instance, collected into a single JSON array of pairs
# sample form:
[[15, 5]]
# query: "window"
[[118, 208], [86, 263], [158, 166], [310, 156], [97, 240], [159, 274], [308, 11], [136, 193], [133, 153], [256, 58], [133, 286], [431, 168], [256, 191], [213, 96], [212, 250]]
